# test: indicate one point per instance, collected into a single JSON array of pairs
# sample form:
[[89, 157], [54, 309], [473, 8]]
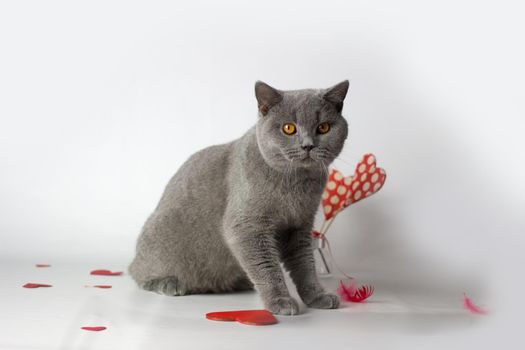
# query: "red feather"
[[470, 306], [353, 294]]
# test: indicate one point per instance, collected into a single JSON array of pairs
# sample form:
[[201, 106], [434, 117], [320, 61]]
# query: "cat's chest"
[[294, 202]]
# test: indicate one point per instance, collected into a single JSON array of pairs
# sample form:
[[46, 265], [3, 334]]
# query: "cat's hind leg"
[[172, 286], [167, 285], [242, 284]]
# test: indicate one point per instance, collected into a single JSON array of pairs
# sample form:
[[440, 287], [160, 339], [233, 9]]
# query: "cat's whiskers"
[[326, 172], [344, 161], [329, 154]]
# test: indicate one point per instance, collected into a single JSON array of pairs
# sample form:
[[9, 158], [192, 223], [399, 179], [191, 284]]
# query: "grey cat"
[[233, 212]]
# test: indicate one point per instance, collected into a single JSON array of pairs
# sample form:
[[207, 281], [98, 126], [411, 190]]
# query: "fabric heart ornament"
[[249, 317], [340, 191]]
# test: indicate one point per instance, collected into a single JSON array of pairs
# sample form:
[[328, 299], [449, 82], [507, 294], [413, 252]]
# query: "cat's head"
[[300, 128]]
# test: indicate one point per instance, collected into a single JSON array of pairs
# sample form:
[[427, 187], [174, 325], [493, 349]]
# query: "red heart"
[[250, 317], [94, 329], [106, 273], [43, 265], [36, 285], [340, 192]]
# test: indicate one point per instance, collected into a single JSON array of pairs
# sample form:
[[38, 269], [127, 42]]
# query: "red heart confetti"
[[102, 286], [356, 295], [105, 273], [249, 317], [42, 265], [93, 329], [340, 192], [36, 285]]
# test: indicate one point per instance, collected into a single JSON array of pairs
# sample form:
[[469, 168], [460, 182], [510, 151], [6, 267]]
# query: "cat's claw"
[[324, 301], [287, 306]]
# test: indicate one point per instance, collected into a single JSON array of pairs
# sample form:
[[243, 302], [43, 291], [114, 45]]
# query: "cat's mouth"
[[304, 158], [307, 158]]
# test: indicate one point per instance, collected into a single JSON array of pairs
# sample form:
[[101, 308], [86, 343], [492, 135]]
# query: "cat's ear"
[[336, 94], [267, 97]]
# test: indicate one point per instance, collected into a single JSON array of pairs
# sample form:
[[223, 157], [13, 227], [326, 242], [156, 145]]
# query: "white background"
[[101, 102]]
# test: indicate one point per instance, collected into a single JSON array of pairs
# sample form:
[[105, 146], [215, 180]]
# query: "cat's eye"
[[289, 128], [323, 128]]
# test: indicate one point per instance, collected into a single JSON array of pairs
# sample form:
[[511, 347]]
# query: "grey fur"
[[233, 212]]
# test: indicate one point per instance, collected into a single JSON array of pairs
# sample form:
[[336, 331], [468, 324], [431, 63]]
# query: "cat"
[[233, 212]]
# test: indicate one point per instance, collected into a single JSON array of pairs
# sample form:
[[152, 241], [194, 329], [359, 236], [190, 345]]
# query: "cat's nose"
[[307, 148]]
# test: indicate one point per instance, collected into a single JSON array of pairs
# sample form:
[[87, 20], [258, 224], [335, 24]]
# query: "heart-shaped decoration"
[[106, 273], [94, 329], [36, 285], [340, 191], [250, 317], [42, 265]]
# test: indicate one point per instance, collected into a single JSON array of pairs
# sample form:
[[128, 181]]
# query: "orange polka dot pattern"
[[340, 191]]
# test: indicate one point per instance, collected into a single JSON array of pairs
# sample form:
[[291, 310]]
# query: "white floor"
[[50, 318]]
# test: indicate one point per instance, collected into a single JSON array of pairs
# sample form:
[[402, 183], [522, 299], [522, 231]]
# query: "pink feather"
[[471, 307], [353, 294]]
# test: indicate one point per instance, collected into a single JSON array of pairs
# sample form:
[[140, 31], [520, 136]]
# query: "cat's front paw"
[[283, 306], [324, 301]]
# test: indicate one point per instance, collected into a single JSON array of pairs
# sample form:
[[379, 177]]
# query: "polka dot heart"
[[340, 191]]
